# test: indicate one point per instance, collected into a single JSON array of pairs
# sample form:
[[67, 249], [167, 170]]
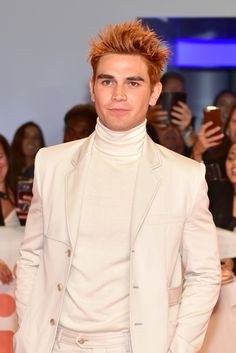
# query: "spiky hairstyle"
[[130, 38]]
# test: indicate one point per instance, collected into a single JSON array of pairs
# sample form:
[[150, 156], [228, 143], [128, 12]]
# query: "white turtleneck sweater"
[[97, 295]]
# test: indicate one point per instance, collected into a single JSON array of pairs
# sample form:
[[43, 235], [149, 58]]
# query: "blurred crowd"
[[170, 123]]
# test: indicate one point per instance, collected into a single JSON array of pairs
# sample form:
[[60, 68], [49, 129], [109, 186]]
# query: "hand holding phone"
[[213, 114], [167, 101], [24, 196], [210, 134]]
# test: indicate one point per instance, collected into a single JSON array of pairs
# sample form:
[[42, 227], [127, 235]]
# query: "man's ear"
[[91, 88], [156, 91]]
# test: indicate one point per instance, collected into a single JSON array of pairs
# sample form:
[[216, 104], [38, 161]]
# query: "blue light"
[[205, 53]]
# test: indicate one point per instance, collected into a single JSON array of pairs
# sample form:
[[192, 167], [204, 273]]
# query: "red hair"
[[131, 38]]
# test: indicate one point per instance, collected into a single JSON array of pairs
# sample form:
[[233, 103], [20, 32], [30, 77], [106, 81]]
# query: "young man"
[[114, 220]]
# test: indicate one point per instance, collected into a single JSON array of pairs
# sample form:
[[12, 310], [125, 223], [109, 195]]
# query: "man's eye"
[[106, 82], [133, 84]]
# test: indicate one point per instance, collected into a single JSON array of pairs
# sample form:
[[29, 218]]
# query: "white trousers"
[[69, 341]]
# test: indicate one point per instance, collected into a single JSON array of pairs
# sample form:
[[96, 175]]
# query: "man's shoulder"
[[181, 172], [168, 157], [60, 151], [58, 159]]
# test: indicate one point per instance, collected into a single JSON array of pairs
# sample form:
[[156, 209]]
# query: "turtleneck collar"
[[119, 143]]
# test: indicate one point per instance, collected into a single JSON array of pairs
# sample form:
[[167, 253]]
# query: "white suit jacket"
[[171, 229]]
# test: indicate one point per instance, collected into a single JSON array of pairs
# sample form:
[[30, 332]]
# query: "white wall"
[[44, 43]]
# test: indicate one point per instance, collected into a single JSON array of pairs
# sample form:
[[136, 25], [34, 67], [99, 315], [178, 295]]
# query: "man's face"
[[122, 91]]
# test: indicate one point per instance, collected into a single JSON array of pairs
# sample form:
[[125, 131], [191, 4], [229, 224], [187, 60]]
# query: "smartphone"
[[24, 187], [213, 114], [167, 100]]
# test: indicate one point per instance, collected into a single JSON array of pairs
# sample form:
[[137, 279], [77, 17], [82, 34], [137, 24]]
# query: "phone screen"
[[213, 114], [24, 187]]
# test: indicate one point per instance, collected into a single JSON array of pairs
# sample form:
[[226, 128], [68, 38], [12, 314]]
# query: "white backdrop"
[[43, 68]]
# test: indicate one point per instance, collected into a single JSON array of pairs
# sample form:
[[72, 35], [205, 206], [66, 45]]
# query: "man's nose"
[[119, 93]]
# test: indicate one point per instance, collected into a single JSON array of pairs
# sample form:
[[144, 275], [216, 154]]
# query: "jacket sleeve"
[[201, 262], [31, 248]]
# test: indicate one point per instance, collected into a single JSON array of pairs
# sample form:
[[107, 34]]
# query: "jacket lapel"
[[147, 184], [75, 182]]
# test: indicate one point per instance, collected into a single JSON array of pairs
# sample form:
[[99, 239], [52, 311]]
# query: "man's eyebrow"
[[101, 76], [135, 78], [129, 78]]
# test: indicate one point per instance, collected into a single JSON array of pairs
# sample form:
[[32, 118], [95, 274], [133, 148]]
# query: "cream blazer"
[[171, 229]]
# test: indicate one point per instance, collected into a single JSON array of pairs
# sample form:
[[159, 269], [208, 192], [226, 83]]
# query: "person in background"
[[114, 220], [222, 196], [212, 144], [167, 136], [8, 215], [7, 186], [79, 122], [27, 140], [220, 189], [230, 126], [177, 135], [211, 147], [225, 100]]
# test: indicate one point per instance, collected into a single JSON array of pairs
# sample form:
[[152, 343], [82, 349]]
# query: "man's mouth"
[[119, 111]]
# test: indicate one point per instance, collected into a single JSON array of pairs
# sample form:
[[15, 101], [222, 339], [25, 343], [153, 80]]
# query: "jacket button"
[[81, 340], [52, 322], [59, 287], [68, 252]]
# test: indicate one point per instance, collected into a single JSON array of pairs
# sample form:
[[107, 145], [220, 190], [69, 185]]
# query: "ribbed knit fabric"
[[97, 297], [123, 144]]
